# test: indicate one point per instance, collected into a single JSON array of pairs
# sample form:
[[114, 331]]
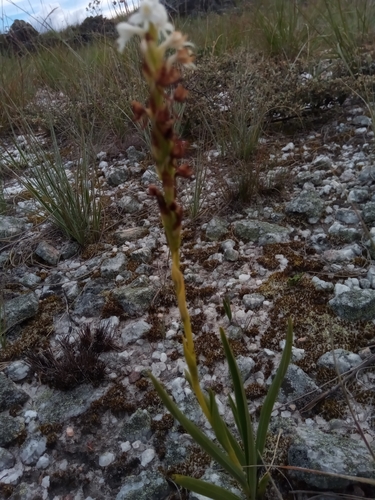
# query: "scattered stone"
[[296, 384], [262, 232], [48, 253], [43, 462], [18, 370], [253, 300], [321, 284], [347, 216], [145, 486], [118, 175], [7, 459], [368, 212], [143, 255], [315, 450], [362, 121], [11, 226], [358, 195], [217, 478], [340, 360], [10, 394], [307, 203], [113, 266], [134, 331], [346, 234], [54, 406], [149, 177], [129, 205], [69, 250], [216, 229], [130, 234], [136, 297], [138, 428], [135, 156], [354, 305], [20, 308], [147, 456], [10, 429], [234, 332], [245, 365], [32, 449], [106, 459], [91, 299], [30, 280]]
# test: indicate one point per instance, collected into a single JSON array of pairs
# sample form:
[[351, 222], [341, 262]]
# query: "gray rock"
[[138, 428], [146, 486], [134, 155], [71, 290], [10, 429], [18, 370], [368, 212], [117, 175], [234, 332], [245, 365], [106, 459], [346, 216], [136, 297], [113, 266], [20, 308], [43, 462], [253, 300], [143, 255], [57, 406], [30, 280], [218, 478], [362, 121], [321, 284], [358, 195], [91, 299], [340, 360], [131, 333], [10, 394], [355, 305], [216, 229], [307, 203], [231, 255], [32, 449], [26, 490], [130, 234], [347, 234], [296, 383], [144, 269], [263, 232], [313, 449], [70, 249], [129, 204], [11, 226], [149, 177], [367, 174], [7, 460], [48, 253]]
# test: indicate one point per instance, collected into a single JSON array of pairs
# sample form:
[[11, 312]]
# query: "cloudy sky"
[[56, 15]]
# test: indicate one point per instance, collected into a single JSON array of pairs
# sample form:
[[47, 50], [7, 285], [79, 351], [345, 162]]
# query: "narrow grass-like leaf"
[[273, 391], [221, 430], [244, 419], [200, 438], [203, 488]]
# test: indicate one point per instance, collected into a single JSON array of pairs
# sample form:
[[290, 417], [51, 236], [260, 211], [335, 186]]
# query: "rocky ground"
[[79, 418]]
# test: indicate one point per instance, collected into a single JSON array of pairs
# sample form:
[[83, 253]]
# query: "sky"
[[42, 13]]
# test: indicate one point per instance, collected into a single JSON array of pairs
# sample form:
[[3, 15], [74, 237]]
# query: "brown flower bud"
[[138, 110], [184, 171], [180, 94], [179, 148]]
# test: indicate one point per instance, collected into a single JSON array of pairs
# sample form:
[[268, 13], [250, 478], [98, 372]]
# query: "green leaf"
[[243, 415], [273, 391], [227, 308], [262, 485], [203, 488], [200, 438]]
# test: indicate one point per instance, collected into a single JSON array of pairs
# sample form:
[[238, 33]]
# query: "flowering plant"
[[240, 460]]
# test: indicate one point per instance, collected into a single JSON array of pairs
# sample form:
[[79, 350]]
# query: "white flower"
[[126, 31], [150, 12]]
